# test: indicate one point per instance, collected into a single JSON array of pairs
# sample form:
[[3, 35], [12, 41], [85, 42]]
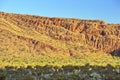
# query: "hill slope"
[[57, 33], [33, 37]]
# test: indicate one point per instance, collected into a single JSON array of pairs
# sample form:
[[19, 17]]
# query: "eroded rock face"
[[94, 33], [103, 43], [97, 33]]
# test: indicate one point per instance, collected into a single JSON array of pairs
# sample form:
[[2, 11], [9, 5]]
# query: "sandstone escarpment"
[[95, 33]]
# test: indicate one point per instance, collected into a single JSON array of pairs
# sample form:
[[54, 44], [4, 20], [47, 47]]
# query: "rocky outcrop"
[[36, 45]]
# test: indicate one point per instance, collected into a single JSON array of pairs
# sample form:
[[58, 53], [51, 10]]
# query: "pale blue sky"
[[107, 10]]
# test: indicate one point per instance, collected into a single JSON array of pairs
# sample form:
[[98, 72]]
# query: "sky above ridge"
[[107, 10]]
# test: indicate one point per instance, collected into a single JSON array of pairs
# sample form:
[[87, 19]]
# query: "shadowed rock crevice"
[[116, 52]]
